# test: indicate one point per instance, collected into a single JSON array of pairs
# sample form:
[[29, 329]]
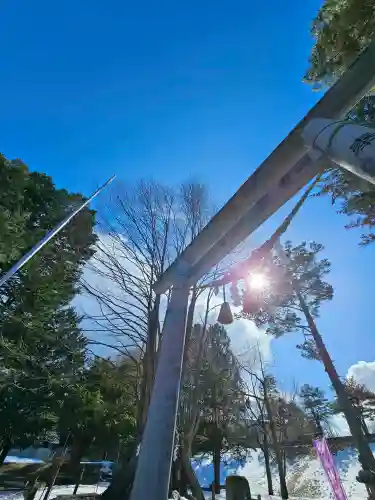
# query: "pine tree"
[[342, 29], [279, 309], [212, 392], [284, 309], [316, 406]]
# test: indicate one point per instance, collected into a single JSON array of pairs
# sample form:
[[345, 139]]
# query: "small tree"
[[210, 399], [316, 406], [258, 422], [262, 396], [99, 408], [37, 372], [222, 401]]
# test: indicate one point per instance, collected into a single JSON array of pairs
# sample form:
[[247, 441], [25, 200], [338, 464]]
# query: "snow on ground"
[[264, 497], [305, 476], [57, 490], [21, 460]]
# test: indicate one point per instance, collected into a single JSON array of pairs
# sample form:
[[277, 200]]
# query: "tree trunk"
[[190, 475], [5, 447], [319, 427], [283, 455], [183, 486], [365, 456], [55, 470], [77, 451], [266, 453], [149, 364], [79, 480], [122, 482], [31, 489], [174, 483], [189, 324], [217, 459], [283, 487]]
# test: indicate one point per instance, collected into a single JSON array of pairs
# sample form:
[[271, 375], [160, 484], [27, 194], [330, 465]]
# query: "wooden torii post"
[[288, 168]]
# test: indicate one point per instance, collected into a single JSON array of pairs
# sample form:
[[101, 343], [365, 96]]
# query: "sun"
[[257, 281]]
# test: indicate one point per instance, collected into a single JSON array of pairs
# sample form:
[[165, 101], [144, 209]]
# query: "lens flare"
[[257, 281]]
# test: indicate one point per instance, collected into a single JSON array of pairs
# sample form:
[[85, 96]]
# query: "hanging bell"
[[251, 303], [225, 315]]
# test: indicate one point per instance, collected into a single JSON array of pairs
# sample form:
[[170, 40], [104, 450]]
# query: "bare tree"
[[142, 230], [262, 396], [258, 421], [133, 251]]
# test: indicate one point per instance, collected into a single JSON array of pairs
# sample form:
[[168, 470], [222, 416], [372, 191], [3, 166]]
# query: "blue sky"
[[174, 90]]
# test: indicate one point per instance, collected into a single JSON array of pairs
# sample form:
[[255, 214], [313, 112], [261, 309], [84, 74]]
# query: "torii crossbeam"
[[276, 180]]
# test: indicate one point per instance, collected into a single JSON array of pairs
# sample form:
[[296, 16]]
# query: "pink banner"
[[326, 459]]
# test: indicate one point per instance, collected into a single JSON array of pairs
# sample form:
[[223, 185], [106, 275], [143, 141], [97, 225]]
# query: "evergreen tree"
[[211, 401], [342, 29], [222, 401], [12, 214], [278, 308], [42, 348], [316, 406], [99, 409]]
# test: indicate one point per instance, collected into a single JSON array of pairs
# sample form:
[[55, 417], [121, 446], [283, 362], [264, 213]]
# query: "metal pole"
[[30, 254], [156, 451]]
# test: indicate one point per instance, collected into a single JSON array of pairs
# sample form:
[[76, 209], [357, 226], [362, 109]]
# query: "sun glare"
[[258, 281]]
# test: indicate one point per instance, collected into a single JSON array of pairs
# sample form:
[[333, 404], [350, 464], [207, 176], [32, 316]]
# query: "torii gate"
[[288, 168]]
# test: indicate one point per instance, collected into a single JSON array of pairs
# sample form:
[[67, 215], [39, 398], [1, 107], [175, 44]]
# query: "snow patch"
[[58, 490], [305, 476]]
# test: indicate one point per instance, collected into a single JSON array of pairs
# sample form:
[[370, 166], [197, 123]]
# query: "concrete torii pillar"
[[349, 145], [156, 451]]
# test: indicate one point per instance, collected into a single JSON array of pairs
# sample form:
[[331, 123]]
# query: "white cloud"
[[363, 372], [85, 303], [103, 275], [244, 335], [339, 426]]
